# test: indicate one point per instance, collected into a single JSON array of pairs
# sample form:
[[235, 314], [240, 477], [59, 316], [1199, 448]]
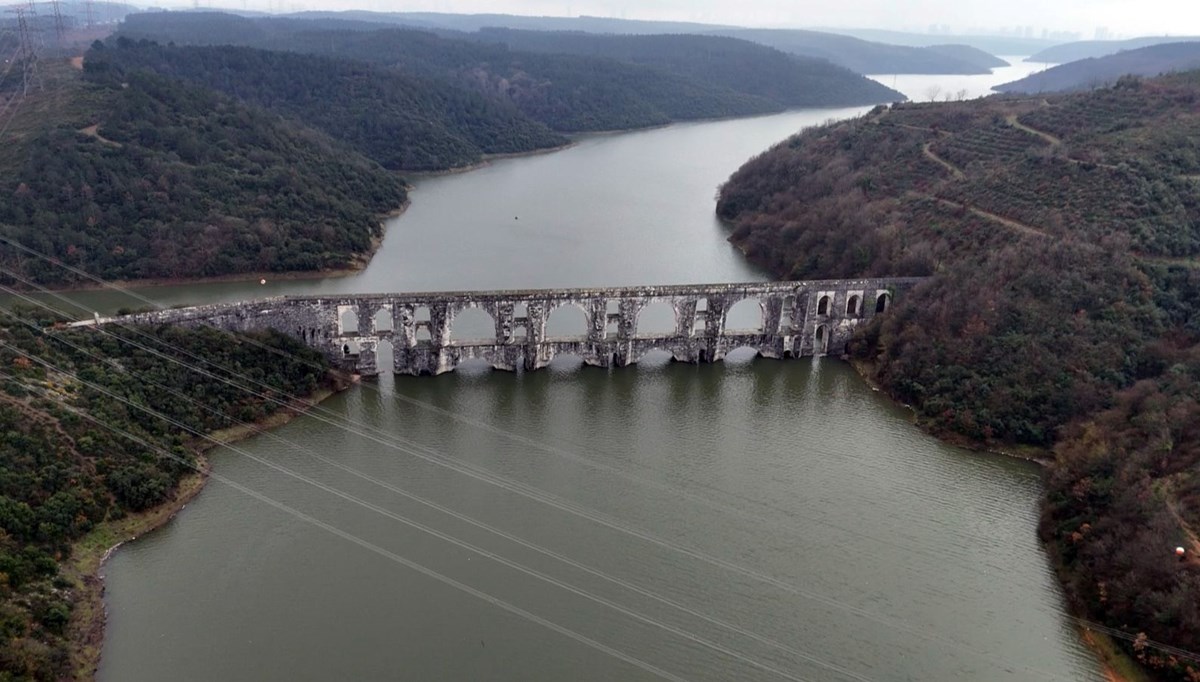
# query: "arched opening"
[[383, 320], [520, 335], [823, 306], [350, 348], [421, 318], [565, 363], [347, 319], [612, 322], [745, 317], [473, 367], [473, 326], [785, 314], [656, 319], [852, 307], [567, 321], [742, 355], [655, 359], [520, 310], [423, 334], [700, 325], [385, 357], [882, 302], [821, 340]]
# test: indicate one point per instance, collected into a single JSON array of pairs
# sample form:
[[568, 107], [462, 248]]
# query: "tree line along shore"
[[1061, 235]]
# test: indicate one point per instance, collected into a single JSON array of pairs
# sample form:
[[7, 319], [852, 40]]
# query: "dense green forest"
[[152, 178], [1097, 72], [735, 64], [403, 123], [1062, 237], [864, 56], [567, 92], [888, 52], [62, 475]]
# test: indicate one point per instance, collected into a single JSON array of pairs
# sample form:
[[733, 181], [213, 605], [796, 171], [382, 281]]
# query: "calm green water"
[[752, 520]]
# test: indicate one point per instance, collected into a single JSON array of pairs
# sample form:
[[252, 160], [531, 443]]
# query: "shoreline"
[[487, 159], [358, 264], [1116, 665], [89, 554], [1038, 456]]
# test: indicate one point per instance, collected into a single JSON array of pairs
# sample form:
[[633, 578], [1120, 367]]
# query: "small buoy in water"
[[263, 280], [516, 218], [1179, 551]]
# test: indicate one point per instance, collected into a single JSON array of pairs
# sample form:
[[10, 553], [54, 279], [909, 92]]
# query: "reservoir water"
[[752, 520]]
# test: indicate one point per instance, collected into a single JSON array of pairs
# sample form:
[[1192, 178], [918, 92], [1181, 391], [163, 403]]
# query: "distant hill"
[[736, 64], [1088, 49], [1061, 237], [474, 22], [858, 55], [402, 122], [152, 178], [970, 54], [996, 45], [1104, 71], [568, 92]]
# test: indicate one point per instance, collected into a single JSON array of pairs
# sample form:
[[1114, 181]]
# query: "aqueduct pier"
[[796, 319]]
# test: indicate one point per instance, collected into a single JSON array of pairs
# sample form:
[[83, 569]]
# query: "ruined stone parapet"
[[797, 319]]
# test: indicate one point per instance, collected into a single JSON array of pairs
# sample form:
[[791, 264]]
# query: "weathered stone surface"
[[798, 319]]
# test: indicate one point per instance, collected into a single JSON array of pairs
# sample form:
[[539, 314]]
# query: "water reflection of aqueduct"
[[431, 333]]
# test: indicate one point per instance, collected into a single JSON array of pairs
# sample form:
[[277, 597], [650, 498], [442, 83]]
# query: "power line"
[[1138, 640], [423, 527], [706, 501], [60, 26], [28, 48], [559, 452], [434, 457], [428, 572], [462, 517], [476, 472]]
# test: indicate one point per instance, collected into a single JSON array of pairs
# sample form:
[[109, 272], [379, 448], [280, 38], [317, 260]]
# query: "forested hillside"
[[736, 64], [1105, 71], [1088, 49], [568, 92], [62, 476], [1063, 240], [863, 54], [401, 122], [151, 178]]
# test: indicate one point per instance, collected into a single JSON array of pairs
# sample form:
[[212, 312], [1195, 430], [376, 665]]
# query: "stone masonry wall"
[[798, 319]]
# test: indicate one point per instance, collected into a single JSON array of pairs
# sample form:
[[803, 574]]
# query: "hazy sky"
[[1129, 17]]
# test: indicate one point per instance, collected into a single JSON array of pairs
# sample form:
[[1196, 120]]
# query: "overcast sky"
[[1128, 17]]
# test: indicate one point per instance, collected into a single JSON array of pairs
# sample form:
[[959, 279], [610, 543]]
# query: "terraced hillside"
[[1063, 239]]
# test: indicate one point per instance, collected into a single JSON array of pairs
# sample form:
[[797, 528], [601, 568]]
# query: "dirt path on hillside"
[[1012, 121], [1007, 222], [954, 170], [94, 131]]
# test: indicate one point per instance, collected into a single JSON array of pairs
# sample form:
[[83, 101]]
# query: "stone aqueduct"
[[797, 319]]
